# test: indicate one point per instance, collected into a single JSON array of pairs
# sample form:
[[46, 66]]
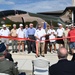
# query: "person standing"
[[40, 36], [6, 66], [60, 34], [52, 34], [25, 33], [25, 30], [30, 34], [63, 66], [65, 35], [14, 35], [5, 32], [71, 40], [47, 38], [20, 34]]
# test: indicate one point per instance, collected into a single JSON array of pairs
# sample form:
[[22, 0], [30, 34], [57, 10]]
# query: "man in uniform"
[[6, 66]]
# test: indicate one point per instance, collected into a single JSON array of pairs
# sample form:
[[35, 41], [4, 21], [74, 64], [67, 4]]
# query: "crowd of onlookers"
[[44, 37]]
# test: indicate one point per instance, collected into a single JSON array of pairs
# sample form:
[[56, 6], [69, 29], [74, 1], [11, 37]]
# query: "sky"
[[35, 6]]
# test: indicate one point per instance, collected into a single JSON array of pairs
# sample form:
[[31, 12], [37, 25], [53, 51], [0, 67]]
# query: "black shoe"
[[42, 55], [29, 52], [16, 51], [37, 56], [12, 51], [33, 51]]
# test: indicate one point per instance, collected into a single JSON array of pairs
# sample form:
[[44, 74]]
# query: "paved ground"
[[25, 60]]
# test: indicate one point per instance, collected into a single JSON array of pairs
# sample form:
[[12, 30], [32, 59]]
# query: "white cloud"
[[6, 2], [43, 6], [36, 6]]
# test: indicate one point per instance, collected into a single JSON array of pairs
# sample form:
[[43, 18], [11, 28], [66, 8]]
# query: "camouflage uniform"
[[8, 67]]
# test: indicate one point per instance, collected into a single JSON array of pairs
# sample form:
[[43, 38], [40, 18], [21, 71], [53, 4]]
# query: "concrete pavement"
[[25, 60]]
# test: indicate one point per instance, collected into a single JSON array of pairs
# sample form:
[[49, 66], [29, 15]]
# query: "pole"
[[23, 21]]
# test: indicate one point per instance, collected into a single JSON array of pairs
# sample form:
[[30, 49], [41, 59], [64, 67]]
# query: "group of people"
[[65, 66], [62, 67], [18, 33], [64, 37], [42, 36]]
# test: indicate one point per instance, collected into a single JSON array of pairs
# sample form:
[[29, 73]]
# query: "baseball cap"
[[4, 25], [59, 24], [21, 25], [14, 25], [2, 48]]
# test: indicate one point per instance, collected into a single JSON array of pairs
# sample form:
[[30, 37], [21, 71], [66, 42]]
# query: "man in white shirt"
[[5, 32], [52, 34], [40, 37], [20, 34]]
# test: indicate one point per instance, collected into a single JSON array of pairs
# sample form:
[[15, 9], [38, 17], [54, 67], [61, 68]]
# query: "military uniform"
[[8, 67]]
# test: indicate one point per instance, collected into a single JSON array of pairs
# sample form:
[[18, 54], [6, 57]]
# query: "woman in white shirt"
[[60, 34], [52, 35]]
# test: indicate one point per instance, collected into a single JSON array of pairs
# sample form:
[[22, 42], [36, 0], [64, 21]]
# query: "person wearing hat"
[[60, 34], [40, 37], [65, 35], [5, 32], [14, 35], [20, 34], [6, 66], [52, 34]]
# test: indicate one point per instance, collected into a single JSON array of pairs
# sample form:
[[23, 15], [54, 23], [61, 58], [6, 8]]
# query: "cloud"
[[35, 6], [6, 2], [44, 5]]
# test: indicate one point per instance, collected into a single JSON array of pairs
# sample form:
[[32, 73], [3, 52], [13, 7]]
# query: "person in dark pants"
[[63, 66], [30, 35], [46, 43], [47, 38]]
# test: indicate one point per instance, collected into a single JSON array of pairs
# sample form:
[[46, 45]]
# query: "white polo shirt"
[[60, 32], [52, 36], [5, 32], [39, 34], [20, 33]]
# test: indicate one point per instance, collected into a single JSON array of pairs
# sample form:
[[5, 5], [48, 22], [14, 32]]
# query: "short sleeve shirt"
[[20, 33]]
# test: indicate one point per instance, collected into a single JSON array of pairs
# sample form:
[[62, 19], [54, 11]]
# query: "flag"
[[44, 26]]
